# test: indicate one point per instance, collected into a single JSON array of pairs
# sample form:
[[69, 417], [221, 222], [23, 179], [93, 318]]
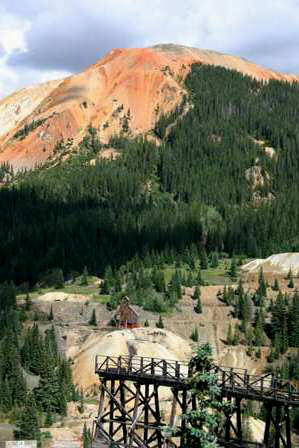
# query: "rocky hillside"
[[126, 91], [275, 265]]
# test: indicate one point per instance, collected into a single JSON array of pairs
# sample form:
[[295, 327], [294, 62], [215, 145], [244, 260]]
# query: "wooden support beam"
[[239, 418], [123, 413], [158, 416], [288, 427], [146, 409], [277, 426], [268, 424], [131, 414], [228, 423], [101, 410], [184, 410], [135, 415], [111, 414]]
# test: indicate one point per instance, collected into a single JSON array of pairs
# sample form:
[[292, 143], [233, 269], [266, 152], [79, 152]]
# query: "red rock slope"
[[135, 83]]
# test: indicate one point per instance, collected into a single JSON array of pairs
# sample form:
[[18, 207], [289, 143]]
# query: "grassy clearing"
[[211, 276], [104, 299]]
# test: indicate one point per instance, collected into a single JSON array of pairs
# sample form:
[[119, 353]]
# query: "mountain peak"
[[127, 89]]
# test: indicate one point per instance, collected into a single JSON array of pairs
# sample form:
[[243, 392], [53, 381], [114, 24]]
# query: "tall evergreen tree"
[[197, 299], [294, 322], [204, 424], [262, 288], [160, 323], [195, 335], [214, 260], [93, 319], [233, 269], [86, 437], [27, 423], [230, 336], [51, 314], [203, 259], [84, 278]]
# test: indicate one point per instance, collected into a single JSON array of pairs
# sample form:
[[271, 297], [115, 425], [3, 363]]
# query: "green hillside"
[[192, 189]]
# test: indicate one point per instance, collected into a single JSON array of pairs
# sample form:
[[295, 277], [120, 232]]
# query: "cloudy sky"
[[49, 39]]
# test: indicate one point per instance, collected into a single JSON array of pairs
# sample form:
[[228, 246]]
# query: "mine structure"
[[130, 414]]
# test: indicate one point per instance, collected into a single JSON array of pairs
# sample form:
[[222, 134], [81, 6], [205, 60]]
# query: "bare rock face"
[[126, 91]]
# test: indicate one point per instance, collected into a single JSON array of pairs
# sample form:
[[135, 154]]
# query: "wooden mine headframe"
[[130, 414]]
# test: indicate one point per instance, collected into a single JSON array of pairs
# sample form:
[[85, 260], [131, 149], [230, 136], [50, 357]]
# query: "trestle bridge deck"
[[130, 414]]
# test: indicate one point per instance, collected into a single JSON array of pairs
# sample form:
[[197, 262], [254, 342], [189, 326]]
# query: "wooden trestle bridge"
[[130, 413]]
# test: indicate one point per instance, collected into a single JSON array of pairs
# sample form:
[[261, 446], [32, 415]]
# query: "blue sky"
[[48, 39]]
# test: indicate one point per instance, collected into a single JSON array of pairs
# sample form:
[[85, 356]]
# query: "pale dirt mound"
[[257, 428], [125, 92], [62, 297], [148, 342], [278, 264]]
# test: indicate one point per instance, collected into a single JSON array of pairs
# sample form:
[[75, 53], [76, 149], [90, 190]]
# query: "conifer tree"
[[230, 336], [160, 323], [249, 336], [11, 370], [237, 336], [105, 287], [191, 262], [28, 302], [62, 404], [233, 269], [93, 319], [5, 396], [276, 285], [195, 335], [84, 277], [203, 259], [203, 424], [48, 419], [27, 423], [262, 288], [291, 280], [81, 402], [58, 279], [146, 323], [259, 336], [199, 279], [277, 345], [175, 285], [51, 315], [284, 335], [214, 260], [197, 299], [86, 437], [65, 377], [189, 281], [158, 279], [294, 322]]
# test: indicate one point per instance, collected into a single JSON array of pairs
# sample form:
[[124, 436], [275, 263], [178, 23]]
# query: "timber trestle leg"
[[278, 428]]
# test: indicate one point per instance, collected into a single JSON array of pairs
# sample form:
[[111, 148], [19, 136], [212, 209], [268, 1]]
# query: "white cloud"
[[53, 37]]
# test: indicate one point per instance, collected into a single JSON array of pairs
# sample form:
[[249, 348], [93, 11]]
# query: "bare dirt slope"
[[147, 342], [127, 85], [278, 264]]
